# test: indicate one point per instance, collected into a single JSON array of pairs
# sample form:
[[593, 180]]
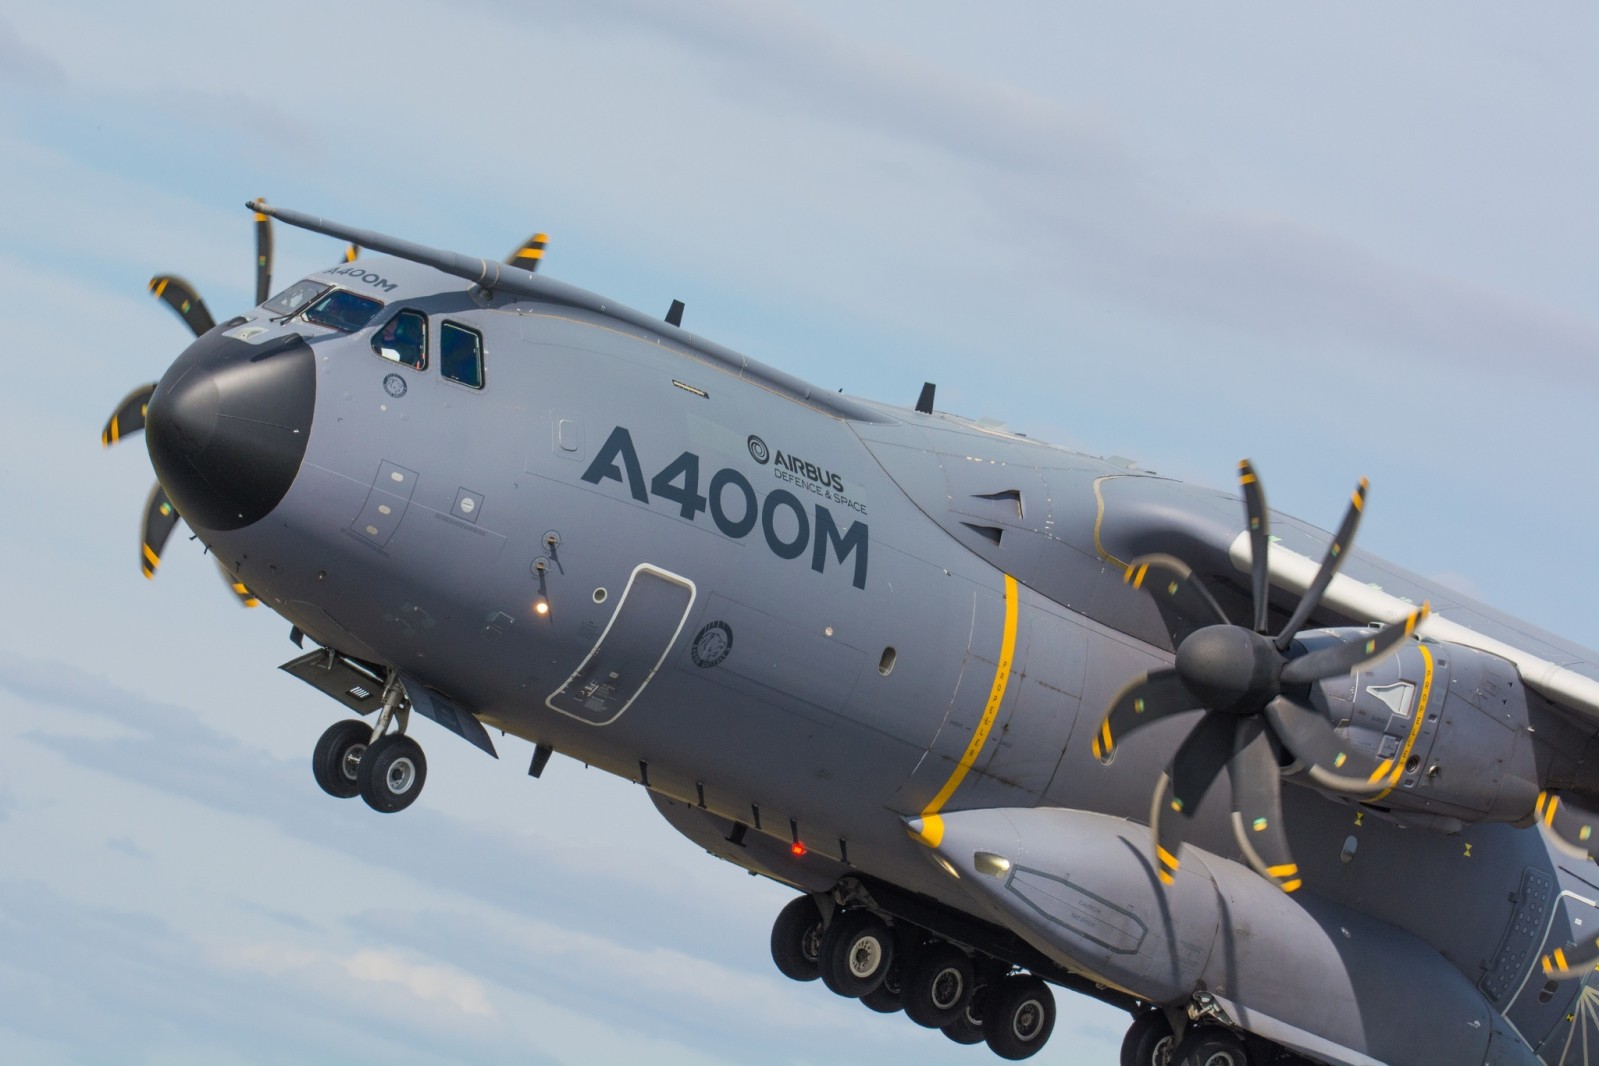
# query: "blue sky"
[[1342, 239]]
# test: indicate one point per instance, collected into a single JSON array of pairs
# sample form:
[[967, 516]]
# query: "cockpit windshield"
[[296, 296], [343, 311]]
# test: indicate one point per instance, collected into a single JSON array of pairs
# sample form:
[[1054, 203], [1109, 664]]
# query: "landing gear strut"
[[385, 769]]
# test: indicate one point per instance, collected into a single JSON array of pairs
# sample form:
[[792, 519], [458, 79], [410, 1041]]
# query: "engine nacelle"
[[1453, 719]]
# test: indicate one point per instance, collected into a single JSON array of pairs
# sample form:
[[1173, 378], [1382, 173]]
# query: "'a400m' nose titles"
[[1010, 718]]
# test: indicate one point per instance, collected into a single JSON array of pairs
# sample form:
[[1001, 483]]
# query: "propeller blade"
[[1328, 758], [1329, 566], [1344, 658], [1580, 961], [1259, 536], [245, 597], [263, 257], [1147, 698], [181, 297], [1573, 828], [1181, 598], [351, 252], [160, 517], [1195, 767], [530, 253], [129, 415], [1258, 806]]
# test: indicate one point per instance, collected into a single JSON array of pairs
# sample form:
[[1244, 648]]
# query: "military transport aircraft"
[[963, 690]]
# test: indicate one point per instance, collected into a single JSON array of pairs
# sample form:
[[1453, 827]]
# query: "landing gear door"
[[635, 642]]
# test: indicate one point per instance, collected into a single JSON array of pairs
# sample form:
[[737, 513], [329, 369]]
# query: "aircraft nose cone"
[[227, 427]]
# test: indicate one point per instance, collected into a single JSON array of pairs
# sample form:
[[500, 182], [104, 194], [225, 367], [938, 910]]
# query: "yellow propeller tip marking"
[[1292, 886]]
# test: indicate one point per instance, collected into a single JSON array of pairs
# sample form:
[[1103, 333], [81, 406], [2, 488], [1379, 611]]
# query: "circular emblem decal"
[[758, 450], [394, 385], [711, 644]]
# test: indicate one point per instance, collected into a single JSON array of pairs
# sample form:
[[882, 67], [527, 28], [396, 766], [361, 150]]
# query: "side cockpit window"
[[404, 339], [343, 311], [296, 296], [461, 354]]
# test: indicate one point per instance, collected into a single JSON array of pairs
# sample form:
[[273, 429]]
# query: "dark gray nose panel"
[[228, 425]]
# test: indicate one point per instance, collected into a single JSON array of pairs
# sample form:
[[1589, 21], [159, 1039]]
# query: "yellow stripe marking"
[[162, 287], [1549, 813], [151, 557], [1285, 870], [1099, 520], [1415, 726], [1167, 859], [996, 696], [1292, 886]]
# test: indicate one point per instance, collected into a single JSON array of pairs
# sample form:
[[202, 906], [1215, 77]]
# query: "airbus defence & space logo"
[[758, 450]]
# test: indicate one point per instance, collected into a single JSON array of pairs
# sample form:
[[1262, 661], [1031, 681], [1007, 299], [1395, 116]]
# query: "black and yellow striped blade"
[[1147, 698], [1195, 767], [1343, 658], [129, 415], [351, 252], [1259, 538], [530, 253], [1578, 960], [1330, 760], [263, 257], [1258, 805], [1329, 566], [240, 592], [181, 297], [1574, 828], [160, 517], [1184, 603]]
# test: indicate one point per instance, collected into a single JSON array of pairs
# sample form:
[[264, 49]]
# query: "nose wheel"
[[385, 769], [391, 773]]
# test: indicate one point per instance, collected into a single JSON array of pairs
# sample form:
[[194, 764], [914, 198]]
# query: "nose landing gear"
[[385, 769]]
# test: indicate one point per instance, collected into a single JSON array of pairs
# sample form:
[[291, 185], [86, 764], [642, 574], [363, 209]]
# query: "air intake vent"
[[1009, 496], [990, 533]]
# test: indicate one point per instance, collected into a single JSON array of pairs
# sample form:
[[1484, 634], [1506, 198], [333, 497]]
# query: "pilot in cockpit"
[[400, 339]]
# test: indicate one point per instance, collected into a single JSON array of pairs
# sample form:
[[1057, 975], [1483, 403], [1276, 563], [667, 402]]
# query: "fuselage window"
[[343, 311], [296, 296], [461, 354], [404, 339]]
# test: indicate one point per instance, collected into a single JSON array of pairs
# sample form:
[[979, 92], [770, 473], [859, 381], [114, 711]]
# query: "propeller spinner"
[[1245, 682]]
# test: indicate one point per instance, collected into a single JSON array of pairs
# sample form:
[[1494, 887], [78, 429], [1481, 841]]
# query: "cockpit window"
[[296, 296], [404, 339], [343, 311], [461, 354]]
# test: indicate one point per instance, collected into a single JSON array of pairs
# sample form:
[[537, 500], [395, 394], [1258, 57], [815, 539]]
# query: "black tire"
[[797, 939], [938, 982], [857, 949], [1018, 1016], [392, 773], [1149, 1041], [888, 997], [337, 757], [968, 1028], [1210, 1045]]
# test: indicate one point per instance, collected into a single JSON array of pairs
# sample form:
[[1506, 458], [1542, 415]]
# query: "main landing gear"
[[385, 769], [1150, 1041], [970, 998]]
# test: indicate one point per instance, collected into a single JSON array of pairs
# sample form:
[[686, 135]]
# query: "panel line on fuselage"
[[932, 830]]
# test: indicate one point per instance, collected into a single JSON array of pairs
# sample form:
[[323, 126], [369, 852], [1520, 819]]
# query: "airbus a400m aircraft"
[[1009, 718]]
